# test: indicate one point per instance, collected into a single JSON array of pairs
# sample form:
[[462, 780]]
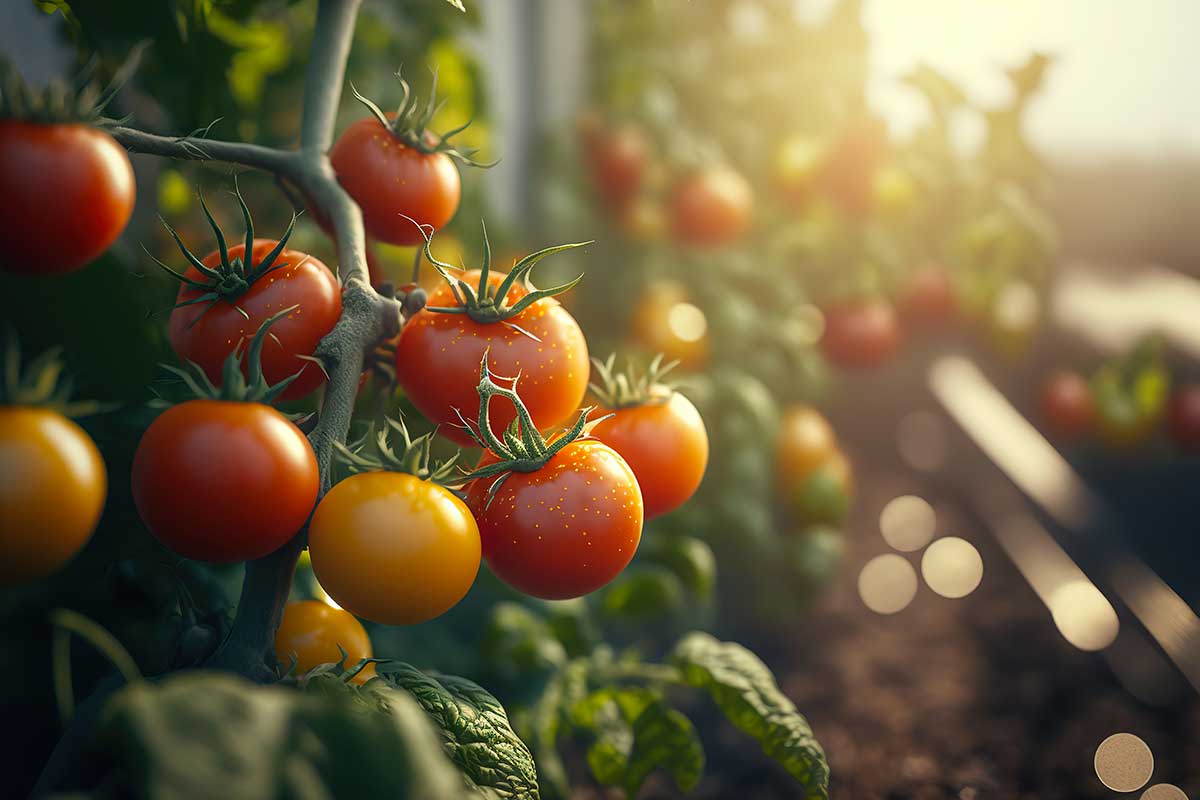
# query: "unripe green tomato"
[[815, 555], [824, 497]]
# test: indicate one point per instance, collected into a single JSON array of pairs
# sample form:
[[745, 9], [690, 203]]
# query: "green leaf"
[[691, 559], [745, 690], [635, 732], [642, 592], [474, 726], [518, 642], [458, 4], [202, 735], [564, 689]]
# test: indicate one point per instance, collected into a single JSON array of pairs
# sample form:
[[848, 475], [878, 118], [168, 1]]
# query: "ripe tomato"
[[208, 337], [824, 496], [437, 361], [1067, 406], [797, 167], [806, 441], [848, 173], [393, 548], [711, 208], [665, 444], [311, 631], [222, 482], [929, 298], [390, 181], [68, 192], [862, 333], [564, 530], [664, 321], [617, 161], [1183, 417], [51, 492]]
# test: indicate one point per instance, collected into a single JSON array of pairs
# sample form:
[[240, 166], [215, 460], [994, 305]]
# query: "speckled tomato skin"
[[438, 355], [565, 530]]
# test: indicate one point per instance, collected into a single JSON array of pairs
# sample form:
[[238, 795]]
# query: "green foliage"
[[744, 689]]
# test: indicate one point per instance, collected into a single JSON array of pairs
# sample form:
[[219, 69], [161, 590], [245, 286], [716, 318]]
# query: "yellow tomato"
[[664, 321], [312, 631], [806, 441]]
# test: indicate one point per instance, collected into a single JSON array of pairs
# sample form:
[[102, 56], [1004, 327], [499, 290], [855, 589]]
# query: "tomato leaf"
[[202, 735], [474, 726], [745, 690], [519, 643]]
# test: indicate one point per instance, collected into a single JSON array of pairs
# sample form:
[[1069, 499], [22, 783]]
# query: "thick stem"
[[326, 72], [191, 148]]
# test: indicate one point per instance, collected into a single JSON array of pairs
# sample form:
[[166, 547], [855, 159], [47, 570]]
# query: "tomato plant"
[[711, 208], [529, 334], [54, 479], [68, 192], [227, 295], [225, 478], [1067, 405], [861, 333], [657, 431], [312, 633], [393, 547], [557, 520]]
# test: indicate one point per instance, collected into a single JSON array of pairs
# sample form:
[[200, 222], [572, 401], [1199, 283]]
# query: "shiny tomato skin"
[[437, 362], [1067, 405], [862, 333], [617, 161], [311, 631], [68, 192], [52, 490], [711, 208], [565, 530], [208, 337], [806, 442], [665, 444], [1183, 417], [929, 298], [224, 482], [393, 548], [390, 181]]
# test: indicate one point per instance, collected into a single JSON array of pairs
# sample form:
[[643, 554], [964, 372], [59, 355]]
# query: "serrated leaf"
[[663, 737], [745, 690], [203, 735], [475, 729]]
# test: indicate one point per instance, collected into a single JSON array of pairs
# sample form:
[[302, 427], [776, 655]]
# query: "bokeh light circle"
[[1124, 762], [907, 523], [952, 567], [887, 584]]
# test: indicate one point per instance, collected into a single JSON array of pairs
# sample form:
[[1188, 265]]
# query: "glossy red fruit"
[[711, 208], [861, 333]]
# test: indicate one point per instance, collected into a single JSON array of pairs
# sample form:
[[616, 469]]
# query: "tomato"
[[617, 162], [1183, 417], [68, 192], [391, 181], [563, 530], [222, 481], [665, 321], [824, 496], [929, 298], [893, 191], [437, 361], [665, 444], [815, 556], [797, 167], [849, 170], [207, 337], [862, 333], [311, 632], [52, 488], [1067, 406], [806, 441], [711, 208], [393, 548]]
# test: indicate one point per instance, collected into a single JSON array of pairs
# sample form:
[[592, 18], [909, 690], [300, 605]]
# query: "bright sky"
[[1127, 79]]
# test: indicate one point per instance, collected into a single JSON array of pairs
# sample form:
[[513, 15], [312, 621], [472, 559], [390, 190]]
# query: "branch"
[[326, 72], [192, 148]]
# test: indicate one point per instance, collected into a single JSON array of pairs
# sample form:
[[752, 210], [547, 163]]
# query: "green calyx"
[[41, 383], [616, 390], [522, 448], [232, 277], [410, 124], [82, 100], [249, 388], [380, 450], [487, 304]]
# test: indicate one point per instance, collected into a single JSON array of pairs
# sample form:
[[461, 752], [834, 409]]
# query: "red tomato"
[[208, 337], [223, 482], [618, 163], [861, 333], [564, 530], [849, 170], [1183, 417], [1067, 405], [929, 298], [437, 361], [390, 181], [711, 208], [666, 446], [68, 192]]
